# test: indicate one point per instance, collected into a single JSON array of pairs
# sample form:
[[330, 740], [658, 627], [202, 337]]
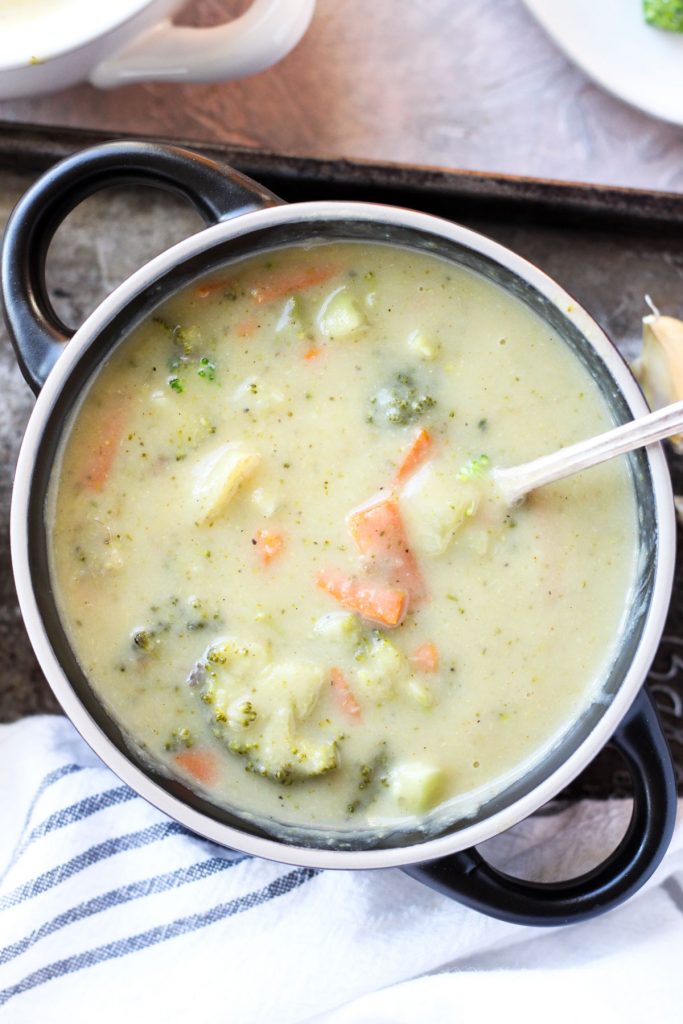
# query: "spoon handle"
[[515, 482]]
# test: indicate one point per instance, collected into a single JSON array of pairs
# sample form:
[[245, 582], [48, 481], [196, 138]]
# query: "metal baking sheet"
[[609, 247]]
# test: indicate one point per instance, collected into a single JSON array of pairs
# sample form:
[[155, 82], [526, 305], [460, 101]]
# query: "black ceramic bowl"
[[244, 218]]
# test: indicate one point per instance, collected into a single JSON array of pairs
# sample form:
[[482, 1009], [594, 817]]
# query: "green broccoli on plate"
[[666, 14]]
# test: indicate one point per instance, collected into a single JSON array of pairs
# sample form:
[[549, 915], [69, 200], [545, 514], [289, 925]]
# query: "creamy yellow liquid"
[[523, 607]]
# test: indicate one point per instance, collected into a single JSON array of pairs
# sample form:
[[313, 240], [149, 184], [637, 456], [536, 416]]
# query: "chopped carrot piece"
[[207, 288], [373, 601], [379, 534], [101, 456], [269, 544], [247, 328], [415, 456], [200, 764], [313, 352], [347, 702], [425, 658], [281, 285]]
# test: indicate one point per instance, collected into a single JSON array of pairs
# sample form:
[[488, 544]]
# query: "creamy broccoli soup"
[[279, 558]]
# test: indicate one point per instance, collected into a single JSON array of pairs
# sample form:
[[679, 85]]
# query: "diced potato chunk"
[[218, 477], [423, 346], [340, 315], [416, 787], [434, 505]]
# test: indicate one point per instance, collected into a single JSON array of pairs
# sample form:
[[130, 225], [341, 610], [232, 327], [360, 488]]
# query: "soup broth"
[[281, 563]]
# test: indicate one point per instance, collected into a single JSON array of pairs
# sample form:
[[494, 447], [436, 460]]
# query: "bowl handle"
[[468, 878], [38, 334]]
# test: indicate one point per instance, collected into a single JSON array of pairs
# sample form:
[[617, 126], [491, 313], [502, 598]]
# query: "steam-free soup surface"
[[279, 558]]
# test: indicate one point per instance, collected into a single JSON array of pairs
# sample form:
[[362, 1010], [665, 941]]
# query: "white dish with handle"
[[613, 44], [46, 46]]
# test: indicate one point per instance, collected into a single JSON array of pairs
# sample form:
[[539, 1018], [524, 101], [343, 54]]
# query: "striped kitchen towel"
[[109, 910]]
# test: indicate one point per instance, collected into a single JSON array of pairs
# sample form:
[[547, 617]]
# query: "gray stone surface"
[[99, 246]]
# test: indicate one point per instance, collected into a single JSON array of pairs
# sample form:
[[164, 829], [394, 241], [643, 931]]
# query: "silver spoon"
[[517, 481]]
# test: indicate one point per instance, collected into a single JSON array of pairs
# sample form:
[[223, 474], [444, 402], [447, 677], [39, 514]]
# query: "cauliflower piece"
[[285, 758], [217, 478], [434, 505], [257, 710]]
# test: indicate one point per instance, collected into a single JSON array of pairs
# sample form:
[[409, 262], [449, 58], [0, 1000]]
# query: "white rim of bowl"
[[33, 56], [202, 824]]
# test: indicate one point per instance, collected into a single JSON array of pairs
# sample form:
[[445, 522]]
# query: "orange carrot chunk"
[[282, 284], [425, 658], [373, 601], [207, 288], [379, 534], [313, 352], [269, 544], [247, 327], [417, 453], [105, 448], [345, 698], [200, 764]]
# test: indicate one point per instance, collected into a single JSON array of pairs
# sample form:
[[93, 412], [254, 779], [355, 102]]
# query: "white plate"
[[609, 40]]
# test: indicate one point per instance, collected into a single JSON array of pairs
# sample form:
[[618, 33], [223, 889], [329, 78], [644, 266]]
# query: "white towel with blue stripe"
[[110, 911]]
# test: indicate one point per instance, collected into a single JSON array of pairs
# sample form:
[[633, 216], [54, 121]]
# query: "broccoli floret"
[[207, 368], [475, 468], [666, 14], [370, 777], [401, 402], [174, 617], [144, 640], [303, 761], [180, 739], [257, 710]]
